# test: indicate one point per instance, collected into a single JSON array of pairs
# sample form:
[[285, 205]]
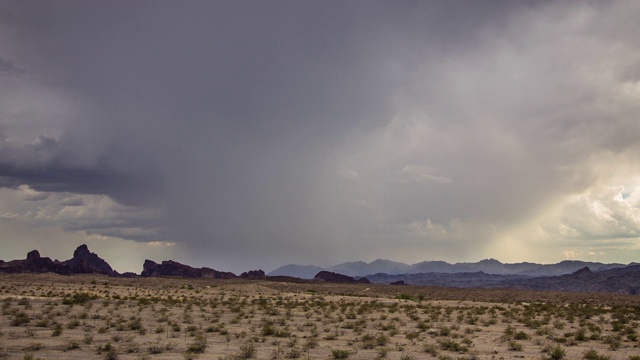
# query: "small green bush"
[[340, 353], [593, 355]]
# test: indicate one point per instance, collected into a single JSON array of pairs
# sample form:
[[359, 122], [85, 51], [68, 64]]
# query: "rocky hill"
[[329, 276], [82, 262], [621, 281], [172, 268]]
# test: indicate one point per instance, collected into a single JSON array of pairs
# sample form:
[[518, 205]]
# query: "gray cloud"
[[9, 67], [319, 131]]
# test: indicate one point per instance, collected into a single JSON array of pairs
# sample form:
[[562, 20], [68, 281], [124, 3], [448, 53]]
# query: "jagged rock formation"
[[329, 276], [253, 275], [172, 268], [86, 262], [82, 262]]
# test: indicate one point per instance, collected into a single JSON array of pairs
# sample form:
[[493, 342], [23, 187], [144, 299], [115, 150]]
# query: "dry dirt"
[[97, 317]]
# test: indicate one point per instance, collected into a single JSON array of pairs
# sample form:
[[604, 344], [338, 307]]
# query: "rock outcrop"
[[86, 262], [329, 276], [253, 275], [173, 268], [82, 262]]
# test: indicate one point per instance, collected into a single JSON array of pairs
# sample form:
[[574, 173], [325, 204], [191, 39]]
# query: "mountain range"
[[575, 276], [488, 266]]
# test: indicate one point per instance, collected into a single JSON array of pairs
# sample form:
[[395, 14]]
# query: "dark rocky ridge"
[[253, 275], [82, 262], [172, 268], [329, 276]]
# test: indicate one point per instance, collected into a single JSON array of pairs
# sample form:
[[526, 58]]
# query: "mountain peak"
[[33, 255], [82, 250], [583, 272], [489, 261]]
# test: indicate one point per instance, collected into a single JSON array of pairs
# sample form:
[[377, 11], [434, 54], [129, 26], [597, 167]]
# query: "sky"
[[252, 134]]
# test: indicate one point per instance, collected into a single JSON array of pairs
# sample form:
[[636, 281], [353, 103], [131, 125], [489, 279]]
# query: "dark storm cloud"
[[9, 67], [46, 166], [235, 117]]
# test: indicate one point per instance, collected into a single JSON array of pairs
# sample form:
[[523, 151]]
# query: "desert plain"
[[49, 316]]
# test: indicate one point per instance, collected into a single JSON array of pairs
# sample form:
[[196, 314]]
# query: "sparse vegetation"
[[181, 318]]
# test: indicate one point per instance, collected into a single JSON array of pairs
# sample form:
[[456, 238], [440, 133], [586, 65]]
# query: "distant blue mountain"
[[488, 266]]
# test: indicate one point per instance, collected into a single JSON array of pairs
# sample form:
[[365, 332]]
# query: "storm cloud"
[[252, 134]]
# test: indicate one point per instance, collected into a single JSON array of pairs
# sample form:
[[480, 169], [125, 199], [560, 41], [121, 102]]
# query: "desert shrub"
[[72, 345], [554, 353], [268, 330], [57, 330], [132, 347], [190, 356], [430, 349], [73, 324], [445, 357], [593, 355], [155, 348], [411, 336], [78, 298], [107, 351], [20, 318], [382, 353], [382, 340], [404, 296], [311, 343], [613, 341], [198, 345], [521, 335], [110, 355], [515, 346], [544, 331], [444, 331], [293, 353], [407, 357], [368, 341], [581, 335], [340, 353], [247, 351], [452, 345]]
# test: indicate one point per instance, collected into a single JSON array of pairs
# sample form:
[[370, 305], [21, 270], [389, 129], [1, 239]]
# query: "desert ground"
[[48, 316]]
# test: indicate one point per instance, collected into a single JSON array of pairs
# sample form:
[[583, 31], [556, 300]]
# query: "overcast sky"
[[251, 134]]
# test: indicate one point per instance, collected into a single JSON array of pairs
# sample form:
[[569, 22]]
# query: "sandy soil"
[[95, 317]]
